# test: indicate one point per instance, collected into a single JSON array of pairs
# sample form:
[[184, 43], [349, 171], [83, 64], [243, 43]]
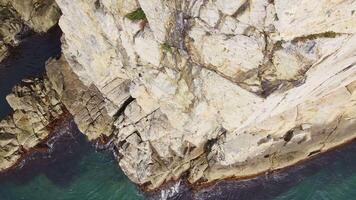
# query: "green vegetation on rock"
[[136, 15], [166, 47]]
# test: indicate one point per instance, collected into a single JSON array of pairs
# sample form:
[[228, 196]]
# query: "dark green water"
[[27, 60], [97, 177], [92, 175], [329, 183], [73, 170], [335, 180]]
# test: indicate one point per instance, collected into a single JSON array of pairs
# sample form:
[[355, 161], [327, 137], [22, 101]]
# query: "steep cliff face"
[[17, 17], [215, 88]]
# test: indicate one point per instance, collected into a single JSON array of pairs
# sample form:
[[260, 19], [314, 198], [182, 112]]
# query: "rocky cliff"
[[208, 89], [213, 88]]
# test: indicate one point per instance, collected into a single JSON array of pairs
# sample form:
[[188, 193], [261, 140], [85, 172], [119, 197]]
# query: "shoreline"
[[41, 147], [193, 188], [199, 187], [104, 143], [305, 161]]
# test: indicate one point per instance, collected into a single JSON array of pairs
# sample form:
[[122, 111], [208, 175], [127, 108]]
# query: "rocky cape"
[[203, 89]]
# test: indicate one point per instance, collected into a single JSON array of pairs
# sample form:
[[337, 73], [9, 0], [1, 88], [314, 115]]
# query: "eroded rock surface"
[[214, 88], [207, 88]]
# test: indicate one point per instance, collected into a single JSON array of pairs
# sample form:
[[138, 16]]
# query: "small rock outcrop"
[[40, 104], [36, 110], [18, 17]]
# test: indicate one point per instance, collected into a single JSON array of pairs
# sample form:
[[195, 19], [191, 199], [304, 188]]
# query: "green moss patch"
[[166, 47], [136, 15]]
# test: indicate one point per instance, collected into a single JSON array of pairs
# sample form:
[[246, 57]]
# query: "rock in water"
[[40, 104], [19, 16], [36, 110]]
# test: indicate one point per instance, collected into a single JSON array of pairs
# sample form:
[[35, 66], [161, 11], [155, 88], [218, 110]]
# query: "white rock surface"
[[220, 88]]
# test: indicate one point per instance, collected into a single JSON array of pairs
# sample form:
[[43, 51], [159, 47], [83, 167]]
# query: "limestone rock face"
[[18, 16], [213, 88], [36, 108]]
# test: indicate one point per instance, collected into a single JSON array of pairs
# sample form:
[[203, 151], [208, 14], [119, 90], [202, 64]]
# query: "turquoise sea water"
[[325, 185], [97, 177], [335, 180], [91, 175], [73, 170]]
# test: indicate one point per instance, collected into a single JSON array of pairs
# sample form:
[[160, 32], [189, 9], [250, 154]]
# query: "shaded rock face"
[[213, 88], [18, 17], [86, 104]]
